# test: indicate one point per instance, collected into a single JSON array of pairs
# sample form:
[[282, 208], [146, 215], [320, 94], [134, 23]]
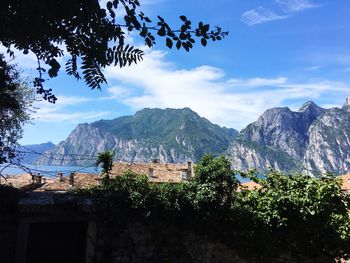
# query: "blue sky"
[[278, 53]]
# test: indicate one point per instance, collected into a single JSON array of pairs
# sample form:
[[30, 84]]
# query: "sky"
[[278, 53]]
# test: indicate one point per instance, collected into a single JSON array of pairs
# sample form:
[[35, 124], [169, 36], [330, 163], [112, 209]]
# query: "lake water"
[[49, 171]]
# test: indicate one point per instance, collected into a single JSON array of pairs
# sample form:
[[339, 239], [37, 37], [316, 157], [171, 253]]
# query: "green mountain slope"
[[171, 135]]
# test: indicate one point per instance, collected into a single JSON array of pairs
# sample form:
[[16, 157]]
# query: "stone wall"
[[8, 235], [141, 242]]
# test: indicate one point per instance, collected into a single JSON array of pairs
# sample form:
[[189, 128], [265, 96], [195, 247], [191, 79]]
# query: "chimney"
[[155, 161], [71, 179], [38, 178], [60, 176], [184, 174], [189, 169], [150, 172]]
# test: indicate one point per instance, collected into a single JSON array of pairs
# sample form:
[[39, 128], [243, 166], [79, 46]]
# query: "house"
[[156, 172], [346, 183]]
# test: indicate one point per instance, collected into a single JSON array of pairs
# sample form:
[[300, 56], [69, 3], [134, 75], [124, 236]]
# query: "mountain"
[[329, 144], [170, 135], [32, 152], [312, 140]]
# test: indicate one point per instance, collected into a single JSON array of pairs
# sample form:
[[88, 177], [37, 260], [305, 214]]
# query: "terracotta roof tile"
[[160, 172], [157, 172], [346, 182], [249, 186]]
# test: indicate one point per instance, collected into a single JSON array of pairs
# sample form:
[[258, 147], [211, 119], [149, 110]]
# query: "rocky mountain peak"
[[312, 140], [170, 135], [309, 105], [346, 105]]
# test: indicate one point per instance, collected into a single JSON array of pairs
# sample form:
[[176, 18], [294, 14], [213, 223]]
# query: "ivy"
[[298, 214]]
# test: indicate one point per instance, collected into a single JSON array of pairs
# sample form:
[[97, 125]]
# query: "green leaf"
[[109, 5], [178, 44], [183, 36], [169, 43], [161, 31], [185, 46], [183, 18], [206, 28]]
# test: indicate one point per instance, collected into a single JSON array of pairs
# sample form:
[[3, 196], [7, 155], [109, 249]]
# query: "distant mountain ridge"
[[31, 153], [170, 135], [312, 140]]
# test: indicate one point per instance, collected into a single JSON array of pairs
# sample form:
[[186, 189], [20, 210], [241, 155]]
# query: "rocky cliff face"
[[312, 140], [329, 143], [169, 135]]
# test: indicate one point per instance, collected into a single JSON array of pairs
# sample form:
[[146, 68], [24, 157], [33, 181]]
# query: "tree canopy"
[[15, 107], [302, 216], [105, 159], [92, 36]]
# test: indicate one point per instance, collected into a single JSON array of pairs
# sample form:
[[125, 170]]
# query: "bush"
[[297, 214], [8, 198]]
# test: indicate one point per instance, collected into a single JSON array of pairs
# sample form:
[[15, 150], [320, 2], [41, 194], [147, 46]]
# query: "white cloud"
[[58, 112], [327, 106], [116, 93], [73, 117], [329, 57], [288, 7], [313, 68], [292, 6], [24, 61], [231, 102], [64, 100], [254, 82], [260, 15]]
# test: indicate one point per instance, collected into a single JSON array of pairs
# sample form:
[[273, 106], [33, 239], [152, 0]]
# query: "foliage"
[[301, 215], [8, 198], [89, 33], [304, 215], [106, 161], [15, 107], [214, 183]]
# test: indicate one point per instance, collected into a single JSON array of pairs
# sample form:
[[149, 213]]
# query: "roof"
[[346, 182], [81, 181], [18, 181], [160, 173], [249, 186]]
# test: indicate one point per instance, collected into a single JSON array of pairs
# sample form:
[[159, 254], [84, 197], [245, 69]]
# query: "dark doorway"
[[57, 242]]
